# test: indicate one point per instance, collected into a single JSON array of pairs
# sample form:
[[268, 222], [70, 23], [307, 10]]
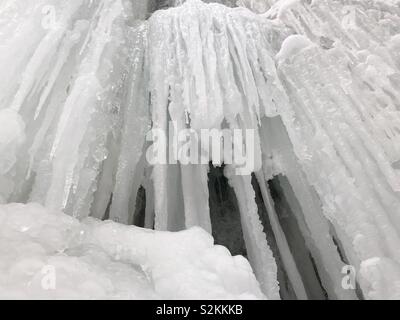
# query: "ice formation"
[[317, 82], [106, 260]]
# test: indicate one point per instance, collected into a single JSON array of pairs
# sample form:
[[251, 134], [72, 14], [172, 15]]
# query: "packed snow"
[[49, 255], [292, 46]]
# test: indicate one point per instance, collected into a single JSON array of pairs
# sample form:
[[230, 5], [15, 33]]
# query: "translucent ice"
[[317, 82]]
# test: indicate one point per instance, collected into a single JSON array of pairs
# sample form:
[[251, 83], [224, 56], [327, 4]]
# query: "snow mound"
[[49, 255], [293, 45]]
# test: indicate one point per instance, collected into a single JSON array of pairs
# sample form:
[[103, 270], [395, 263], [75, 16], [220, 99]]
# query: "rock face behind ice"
[[49, 255]]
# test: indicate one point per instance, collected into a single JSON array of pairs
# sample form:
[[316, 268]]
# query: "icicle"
[[279, 158], [335, 110], [195, 195], [259, 253], [131, 162], [284, 249]]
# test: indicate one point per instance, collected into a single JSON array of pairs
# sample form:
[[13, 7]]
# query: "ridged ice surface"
[[318, 81], [343, 121]]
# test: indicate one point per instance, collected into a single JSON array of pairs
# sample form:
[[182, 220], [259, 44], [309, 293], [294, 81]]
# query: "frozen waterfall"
[[312, 89]]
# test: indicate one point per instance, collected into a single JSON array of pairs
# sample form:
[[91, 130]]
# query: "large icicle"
[[342, 120], [202, 78], [74, 110], [131, 163], [279, 158], [260, 255]]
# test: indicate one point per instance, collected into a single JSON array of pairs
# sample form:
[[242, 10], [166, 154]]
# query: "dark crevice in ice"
[[224, 212], [318, 276], [298, 246], [163, 4], [140, 208], [339, 250], [285, 286], [344, 259], [107, 212]]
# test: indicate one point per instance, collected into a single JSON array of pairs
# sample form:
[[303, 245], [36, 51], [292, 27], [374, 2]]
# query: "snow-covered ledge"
[[50, 255]]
